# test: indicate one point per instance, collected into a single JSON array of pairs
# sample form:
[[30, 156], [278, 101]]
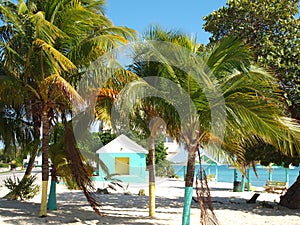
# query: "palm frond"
[[79, 171], [229, 54], [66, 89], [57, 61], [45, 30]]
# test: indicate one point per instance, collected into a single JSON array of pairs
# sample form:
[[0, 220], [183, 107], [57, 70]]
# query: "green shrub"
[[24, 189], [4, 165], [71, 184], [165, 169]]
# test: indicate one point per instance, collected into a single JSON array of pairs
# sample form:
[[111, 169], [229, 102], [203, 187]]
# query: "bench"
[[273, 186]]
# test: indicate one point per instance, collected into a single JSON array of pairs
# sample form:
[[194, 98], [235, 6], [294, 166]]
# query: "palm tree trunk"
[[30, 164], [45, 162], [189, 180], [291, 199], [151, 167]]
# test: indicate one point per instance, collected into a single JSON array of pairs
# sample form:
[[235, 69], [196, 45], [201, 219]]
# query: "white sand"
[[230, 207]]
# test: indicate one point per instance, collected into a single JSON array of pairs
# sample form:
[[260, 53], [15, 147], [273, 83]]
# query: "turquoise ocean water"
[[226, 174]]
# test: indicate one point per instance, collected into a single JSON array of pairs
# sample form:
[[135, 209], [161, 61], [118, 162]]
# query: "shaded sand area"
[[230, 207]]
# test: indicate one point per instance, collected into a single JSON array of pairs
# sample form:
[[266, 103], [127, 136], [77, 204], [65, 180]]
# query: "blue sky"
[[185, 16]]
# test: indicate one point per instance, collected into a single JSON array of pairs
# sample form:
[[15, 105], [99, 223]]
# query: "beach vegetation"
[[21, 189], [272, 29], [265, 154], [4, 165], [245, 82], [165, 169]]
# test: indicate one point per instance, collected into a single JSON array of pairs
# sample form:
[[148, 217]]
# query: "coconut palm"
[[247, 102], [250, 100], [149, 118], [45, 50]]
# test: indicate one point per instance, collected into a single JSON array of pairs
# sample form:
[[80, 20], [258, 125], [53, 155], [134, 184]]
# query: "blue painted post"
[[188, 194], [243, 184], [235, 183], [235, 175], [51, 204], [216, 172]]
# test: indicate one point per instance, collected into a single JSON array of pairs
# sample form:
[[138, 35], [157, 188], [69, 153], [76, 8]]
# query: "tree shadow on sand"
[[260, 207], [74, 209], [123, 209]]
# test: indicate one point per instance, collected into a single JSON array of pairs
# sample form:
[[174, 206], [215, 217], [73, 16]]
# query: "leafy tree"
[[266, 153], [272, 28], [106, 137], [160, 152]]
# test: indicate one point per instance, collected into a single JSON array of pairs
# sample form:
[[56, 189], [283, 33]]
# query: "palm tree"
[[44, 53], [149, 118], [224, 91], [249, 104]]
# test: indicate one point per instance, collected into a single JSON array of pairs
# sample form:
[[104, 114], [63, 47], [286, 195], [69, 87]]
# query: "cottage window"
[[122, 165]]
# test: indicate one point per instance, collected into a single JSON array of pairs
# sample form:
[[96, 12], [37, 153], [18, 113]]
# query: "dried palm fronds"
[[207, 216], [80, 170]]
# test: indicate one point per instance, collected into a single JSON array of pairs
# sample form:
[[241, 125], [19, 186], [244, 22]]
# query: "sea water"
[[226, 174]]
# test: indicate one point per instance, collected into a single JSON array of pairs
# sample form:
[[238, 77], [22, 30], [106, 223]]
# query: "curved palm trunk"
[[291, 199], [30, 164], [34, 153], [45, 162], [151, 167], [189, 180]]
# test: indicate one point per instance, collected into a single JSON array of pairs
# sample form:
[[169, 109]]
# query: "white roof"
[[122, 144]]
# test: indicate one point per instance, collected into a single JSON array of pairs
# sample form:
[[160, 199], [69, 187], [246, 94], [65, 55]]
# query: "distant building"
[[124, 158], [173, 148]]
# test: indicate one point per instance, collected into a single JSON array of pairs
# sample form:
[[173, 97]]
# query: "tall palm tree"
[[46, 49], [249, 100]]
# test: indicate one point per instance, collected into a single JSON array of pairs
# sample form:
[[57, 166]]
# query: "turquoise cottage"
[[126, 158]]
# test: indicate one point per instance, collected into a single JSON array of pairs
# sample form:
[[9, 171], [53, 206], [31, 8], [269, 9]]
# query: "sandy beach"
[[230, 207]]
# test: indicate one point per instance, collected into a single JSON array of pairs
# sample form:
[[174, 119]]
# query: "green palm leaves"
[[230, 100], [46, 46]]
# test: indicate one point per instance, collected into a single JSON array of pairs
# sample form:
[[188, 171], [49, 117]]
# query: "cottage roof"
[[182, 156], [122, 144]]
